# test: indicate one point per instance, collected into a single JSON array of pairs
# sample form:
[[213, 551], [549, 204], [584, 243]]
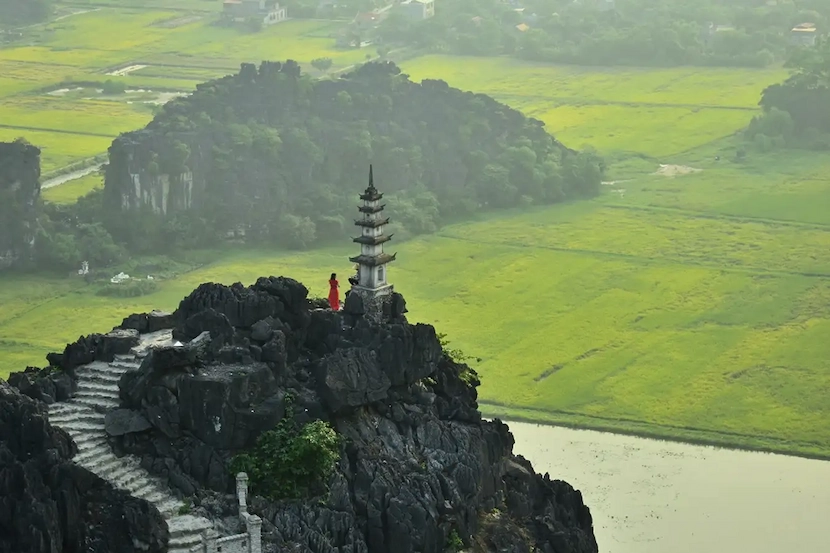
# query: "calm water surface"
[[648, 496]]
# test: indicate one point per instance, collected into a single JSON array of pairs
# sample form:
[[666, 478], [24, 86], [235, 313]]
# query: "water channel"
[[650, 496]]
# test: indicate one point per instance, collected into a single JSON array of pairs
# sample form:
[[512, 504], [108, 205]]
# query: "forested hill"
[[283, 156]]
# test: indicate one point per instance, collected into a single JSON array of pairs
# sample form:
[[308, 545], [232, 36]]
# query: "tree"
[[322, 64]]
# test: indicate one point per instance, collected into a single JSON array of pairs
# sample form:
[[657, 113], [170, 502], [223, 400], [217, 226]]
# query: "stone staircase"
[[83, 418]]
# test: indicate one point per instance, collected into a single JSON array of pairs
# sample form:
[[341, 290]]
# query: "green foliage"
[[288, 154], [111, 87], [468, 374], [290, 461], [132, 288], [186, 508], [622, 32], [804, 97], [322, 64], [454, 541]]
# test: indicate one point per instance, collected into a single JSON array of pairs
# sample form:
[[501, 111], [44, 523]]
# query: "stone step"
[[89, 385], [139, 487], [170, 507], [105, 466], [108, 374], [105, 397], [62, 417], [125, 366], [64, 407], [130, 474], [184, 525], [97, 402], [81, 429], [84, 457], [103, 380]]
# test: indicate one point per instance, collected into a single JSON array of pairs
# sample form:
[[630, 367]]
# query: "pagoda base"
[[375, 303]]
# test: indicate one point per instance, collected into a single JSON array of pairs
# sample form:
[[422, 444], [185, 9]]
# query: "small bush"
[[290, 461], [454, 541], [185, 508], [128, 289]]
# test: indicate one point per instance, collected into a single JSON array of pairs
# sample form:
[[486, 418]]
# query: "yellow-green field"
[[180, 47], [70, 192], [693, 307], [656, 112], [705, 322]]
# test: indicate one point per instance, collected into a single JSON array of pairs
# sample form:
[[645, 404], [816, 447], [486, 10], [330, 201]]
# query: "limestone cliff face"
[[417, 462], [49, 504], [19, 192], [137, 178]]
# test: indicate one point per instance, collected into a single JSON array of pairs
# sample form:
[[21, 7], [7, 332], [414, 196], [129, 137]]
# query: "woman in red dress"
[[334, 293]]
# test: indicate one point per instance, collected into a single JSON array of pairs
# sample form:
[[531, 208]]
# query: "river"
[[650, 496]]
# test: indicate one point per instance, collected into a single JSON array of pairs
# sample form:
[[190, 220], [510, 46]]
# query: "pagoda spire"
[[371, 282]]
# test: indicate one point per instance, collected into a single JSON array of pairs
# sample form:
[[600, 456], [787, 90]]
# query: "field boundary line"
[[611, 427], [640, 258], [572, 100], [701, 214], [41, 129]]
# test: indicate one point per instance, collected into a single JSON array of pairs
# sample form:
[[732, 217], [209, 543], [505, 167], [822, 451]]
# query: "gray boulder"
[[125, 421], [350, 378]]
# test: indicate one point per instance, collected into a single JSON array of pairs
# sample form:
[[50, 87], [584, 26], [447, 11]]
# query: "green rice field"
[[690, 304], [653, 112]]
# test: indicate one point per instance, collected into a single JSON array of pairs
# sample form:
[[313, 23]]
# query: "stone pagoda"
[[371, 280]]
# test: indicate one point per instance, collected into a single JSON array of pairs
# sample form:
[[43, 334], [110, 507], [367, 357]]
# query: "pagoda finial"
[[371, 178]]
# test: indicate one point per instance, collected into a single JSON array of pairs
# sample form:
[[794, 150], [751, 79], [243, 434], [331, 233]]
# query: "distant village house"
[[242, 10], [418, 10], [803, 35]]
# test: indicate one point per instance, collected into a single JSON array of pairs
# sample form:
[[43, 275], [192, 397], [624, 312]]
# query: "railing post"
[[209, 537], [254, 525], [242, 492]]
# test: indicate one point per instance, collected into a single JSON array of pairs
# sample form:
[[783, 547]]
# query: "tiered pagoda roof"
[[370, 209], [372, 240], [373, 260]]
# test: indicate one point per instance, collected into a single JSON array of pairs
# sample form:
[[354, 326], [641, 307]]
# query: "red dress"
[[334, 295]]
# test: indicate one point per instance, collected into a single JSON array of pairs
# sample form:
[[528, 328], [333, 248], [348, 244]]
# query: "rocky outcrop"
[[19, 194], [49, 504], [417, 466], [95, 347], [145, 323]]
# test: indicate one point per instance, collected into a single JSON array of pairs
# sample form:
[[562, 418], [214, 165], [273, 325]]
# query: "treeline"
[[613, 32], [14, 13], [797, 111], [278, 157]]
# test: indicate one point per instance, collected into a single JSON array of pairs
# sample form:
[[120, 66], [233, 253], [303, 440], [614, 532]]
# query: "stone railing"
[[249, 542]]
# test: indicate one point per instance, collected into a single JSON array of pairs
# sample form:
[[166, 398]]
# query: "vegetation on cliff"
[[281, 156], [19, 199], [613, 32], [291, 460]]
